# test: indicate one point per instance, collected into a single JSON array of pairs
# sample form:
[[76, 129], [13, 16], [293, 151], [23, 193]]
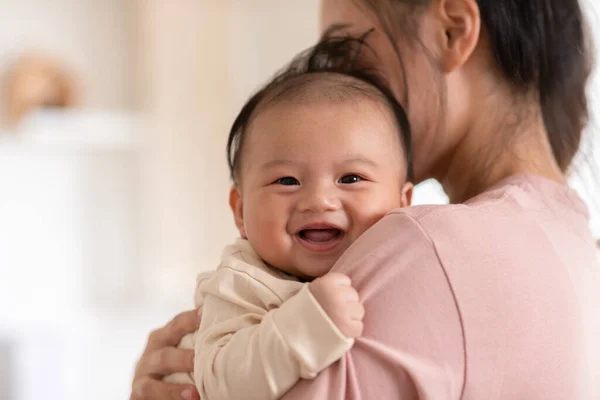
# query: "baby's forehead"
[[319, 104], [326, 91], [316, 130], [332, 99], [310, 116], [321, 87]]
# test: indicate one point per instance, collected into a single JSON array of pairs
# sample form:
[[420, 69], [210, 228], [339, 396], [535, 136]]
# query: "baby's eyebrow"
[[361, 160], [349, 160], [277, 163]]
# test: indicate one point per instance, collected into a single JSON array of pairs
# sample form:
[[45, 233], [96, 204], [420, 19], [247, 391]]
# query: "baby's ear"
[[406, 198], [237, 207]]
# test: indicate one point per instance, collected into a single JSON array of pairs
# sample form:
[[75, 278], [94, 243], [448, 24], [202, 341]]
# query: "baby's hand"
[[339, 299]]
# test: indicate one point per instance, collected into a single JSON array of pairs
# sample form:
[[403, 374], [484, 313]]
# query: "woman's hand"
[[161, 357]]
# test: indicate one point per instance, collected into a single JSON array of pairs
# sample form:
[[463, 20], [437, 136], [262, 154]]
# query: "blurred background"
[[113, 181]]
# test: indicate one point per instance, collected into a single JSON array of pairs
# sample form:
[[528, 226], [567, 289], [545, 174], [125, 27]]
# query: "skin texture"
[[470, 128]]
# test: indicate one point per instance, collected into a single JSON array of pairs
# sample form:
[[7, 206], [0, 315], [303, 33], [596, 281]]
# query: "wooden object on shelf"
[[36, 82]]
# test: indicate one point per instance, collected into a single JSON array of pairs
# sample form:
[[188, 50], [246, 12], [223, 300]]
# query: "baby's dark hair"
[[333, 63]]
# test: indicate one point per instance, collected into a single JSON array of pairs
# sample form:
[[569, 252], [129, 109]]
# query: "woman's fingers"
[[150, 389], [166, 361], [172, 333], [161, 358]]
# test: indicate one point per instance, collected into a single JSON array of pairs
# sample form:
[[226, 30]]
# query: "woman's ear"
[[461, 25], [406, 198], [237, 207]]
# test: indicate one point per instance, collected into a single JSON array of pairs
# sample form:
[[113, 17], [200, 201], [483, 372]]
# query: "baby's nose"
[[319, 200]]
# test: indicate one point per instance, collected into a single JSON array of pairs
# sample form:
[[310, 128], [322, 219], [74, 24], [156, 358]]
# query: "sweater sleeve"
[[254, 345], [412, 345]]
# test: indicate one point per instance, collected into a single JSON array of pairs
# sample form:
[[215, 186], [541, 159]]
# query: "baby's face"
[[315, 176]]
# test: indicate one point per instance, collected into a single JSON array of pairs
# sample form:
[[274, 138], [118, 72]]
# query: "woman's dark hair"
[[542, 47], [330, 58]]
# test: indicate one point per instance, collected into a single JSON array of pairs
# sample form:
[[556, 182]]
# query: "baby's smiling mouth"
[[319, 236]]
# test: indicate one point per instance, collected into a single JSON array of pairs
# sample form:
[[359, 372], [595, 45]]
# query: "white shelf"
[[75, 130]]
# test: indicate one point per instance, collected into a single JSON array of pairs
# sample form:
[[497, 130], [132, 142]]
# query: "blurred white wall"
[[200, 61], [585, 174], [68, 253]]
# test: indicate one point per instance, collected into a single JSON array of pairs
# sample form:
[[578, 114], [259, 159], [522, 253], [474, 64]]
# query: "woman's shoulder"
[[489, 274], [510, 220], [427, 223], [506, 240], [515, 204], [433, 220], [408, 302]]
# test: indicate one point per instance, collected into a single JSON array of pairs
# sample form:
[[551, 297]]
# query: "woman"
[[495, 296]]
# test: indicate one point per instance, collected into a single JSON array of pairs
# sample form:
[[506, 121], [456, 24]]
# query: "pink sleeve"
[[412, 346]]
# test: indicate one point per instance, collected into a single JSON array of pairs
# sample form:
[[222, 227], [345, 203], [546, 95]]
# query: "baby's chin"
[[303, 264], [312, 268]]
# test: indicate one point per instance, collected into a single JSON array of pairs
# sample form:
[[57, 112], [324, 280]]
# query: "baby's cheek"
[[368, 216], [266, 234]]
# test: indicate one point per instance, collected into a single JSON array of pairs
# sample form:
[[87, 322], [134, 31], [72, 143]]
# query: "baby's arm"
[[245, 351]]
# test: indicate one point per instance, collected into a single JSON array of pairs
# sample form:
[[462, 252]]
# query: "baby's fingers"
[[352, 328], [356, 311], [348, 294], [336, 278]]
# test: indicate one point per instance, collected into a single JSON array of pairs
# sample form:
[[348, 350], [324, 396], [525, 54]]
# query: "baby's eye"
[[350, 179], [287, 181]]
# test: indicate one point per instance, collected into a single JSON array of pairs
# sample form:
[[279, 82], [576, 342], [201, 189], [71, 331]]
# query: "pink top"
[[498, 298]]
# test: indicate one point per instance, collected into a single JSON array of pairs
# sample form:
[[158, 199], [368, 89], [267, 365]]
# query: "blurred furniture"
[[69, 247], [35, 82]]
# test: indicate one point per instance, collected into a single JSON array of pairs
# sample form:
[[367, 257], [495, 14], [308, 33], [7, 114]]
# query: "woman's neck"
[[494, 150]]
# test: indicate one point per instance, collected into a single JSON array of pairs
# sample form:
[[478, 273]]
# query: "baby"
[[317, 157]]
